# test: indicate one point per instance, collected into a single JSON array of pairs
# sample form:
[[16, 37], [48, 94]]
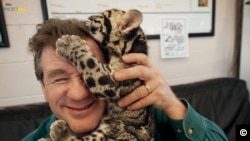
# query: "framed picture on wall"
[[199, 13], [4, 41]]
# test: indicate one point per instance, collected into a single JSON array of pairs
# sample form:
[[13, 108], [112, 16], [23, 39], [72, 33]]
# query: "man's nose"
[[78, 90]]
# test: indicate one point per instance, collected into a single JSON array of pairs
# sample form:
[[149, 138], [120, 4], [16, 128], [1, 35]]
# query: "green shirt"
[[194, 127]]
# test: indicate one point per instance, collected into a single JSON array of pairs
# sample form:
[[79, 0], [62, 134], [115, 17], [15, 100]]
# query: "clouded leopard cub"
[[118, 33]]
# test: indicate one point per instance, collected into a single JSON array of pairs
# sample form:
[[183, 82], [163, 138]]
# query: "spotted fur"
[[118, 33]]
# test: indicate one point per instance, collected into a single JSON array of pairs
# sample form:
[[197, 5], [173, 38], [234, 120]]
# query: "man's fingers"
[[138, 58]]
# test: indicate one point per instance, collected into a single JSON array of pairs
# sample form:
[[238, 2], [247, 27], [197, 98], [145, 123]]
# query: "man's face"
[[67, 95]]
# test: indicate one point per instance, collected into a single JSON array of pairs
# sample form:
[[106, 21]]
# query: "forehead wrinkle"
[[53, 73]]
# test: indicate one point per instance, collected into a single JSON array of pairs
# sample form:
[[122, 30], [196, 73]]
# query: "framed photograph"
[[199, 13], [4, 41]]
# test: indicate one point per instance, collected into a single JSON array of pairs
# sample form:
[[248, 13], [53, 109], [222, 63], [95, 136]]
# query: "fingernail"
[[120, 103], [124, 57], [117, 75]]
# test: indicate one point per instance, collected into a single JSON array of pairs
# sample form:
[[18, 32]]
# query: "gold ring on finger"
[[147, 87]]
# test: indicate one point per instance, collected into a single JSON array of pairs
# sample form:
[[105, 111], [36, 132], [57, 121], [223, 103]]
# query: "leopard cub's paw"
[[68, 45], [59, 130], [44, 139]]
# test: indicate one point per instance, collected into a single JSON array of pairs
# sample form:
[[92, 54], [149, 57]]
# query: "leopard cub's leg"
[[96, 75], [69, 46], [99, 134], [76, 50], [59, 130]]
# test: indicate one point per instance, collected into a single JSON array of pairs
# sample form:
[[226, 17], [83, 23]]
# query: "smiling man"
[[70, 99]]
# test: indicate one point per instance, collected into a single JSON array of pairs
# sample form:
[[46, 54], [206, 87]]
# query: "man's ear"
[[44, 91], [131, 19]]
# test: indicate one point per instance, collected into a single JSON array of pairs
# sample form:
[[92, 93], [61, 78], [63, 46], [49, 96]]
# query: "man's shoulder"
[[42, 131]]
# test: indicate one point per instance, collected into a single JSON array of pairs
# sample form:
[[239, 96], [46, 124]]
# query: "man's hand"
[[155, 91]]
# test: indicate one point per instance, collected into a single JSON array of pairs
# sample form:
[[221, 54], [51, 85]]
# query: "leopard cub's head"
[[113, 24]]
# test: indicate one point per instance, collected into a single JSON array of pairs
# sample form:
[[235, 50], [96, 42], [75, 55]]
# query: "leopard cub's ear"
[[130, 20]]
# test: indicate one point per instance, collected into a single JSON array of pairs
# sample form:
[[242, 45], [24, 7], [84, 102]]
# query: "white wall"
[[210, 57], [245, 46]]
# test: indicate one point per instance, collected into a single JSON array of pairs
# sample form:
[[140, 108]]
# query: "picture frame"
[[200, 13], [4, 41]]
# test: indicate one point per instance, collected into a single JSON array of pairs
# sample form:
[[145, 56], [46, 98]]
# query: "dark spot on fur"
[[75, 63], [82, 65], [127, 83], [75, 48], [90, 63], [80, 56], [104, 80], [76, 53], [124, 48], [109, 93], [98, 95], [116, 42], [90, 82], [83, 50], [99, 131]]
